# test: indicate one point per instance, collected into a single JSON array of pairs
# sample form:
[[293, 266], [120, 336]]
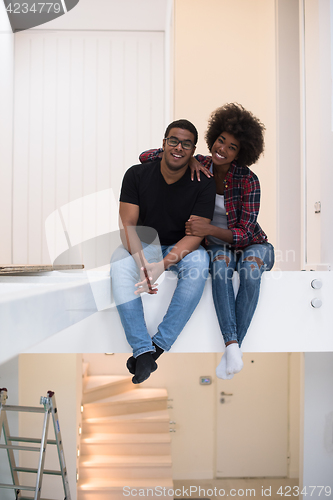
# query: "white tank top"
[[219, 219]]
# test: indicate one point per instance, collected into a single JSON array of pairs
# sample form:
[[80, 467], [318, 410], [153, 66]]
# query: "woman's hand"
[[197, 226], [196, 167]]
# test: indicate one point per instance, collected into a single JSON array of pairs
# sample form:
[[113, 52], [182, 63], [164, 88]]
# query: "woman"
[[234, 239]]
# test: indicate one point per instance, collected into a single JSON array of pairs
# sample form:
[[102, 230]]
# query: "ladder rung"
[[17, 487], [30, 440], [30, 409], [32, 498], [45, 471], [21, 448]]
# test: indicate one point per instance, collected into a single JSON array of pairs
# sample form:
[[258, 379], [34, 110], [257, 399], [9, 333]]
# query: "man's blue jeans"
[[192, 272], [235, 314]]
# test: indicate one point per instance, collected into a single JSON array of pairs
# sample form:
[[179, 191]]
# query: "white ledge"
[[285, 320], [35, 307]]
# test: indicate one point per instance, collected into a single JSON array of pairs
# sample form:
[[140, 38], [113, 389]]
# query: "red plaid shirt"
[[241, 199]]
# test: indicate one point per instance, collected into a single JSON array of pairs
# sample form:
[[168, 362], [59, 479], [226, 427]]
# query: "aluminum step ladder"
[[49, 410]]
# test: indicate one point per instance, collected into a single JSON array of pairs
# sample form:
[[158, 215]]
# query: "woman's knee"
[[261, 254], [221, 266], [251, 269]]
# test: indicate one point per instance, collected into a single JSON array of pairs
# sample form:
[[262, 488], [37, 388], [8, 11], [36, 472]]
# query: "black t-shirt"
[[166, 207]]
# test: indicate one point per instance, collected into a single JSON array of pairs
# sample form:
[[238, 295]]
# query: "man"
[[160, 195]]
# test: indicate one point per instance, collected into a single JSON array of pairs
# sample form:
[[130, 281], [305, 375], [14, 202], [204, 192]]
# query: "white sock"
[[234, 359], [221, 369]]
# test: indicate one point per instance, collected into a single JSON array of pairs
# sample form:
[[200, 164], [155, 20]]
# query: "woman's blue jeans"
[[235, 314], [192, 272]]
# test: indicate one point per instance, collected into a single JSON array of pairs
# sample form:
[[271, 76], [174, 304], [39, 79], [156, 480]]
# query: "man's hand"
[[197, 226], [154, 270]]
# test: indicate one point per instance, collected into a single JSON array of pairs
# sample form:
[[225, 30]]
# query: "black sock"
[[145, 365], [158, 352], [131, 362]]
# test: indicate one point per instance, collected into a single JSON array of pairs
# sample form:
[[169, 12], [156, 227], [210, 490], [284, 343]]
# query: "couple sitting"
[[220, 208]]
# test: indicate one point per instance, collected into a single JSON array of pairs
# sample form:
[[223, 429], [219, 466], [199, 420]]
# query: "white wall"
[[6, 131], [318, 131], [113, 15], [317, 402], [86, 104], [63, 375], [90, 95], [318, 421], [225, 51], [193, 410], [294, 413], [288, 139]]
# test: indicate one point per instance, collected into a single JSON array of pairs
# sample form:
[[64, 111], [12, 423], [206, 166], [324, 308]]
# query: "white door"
[[252, 418]]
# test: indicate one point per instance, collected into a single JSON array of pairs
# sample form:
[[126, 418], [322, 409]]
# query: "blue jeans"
[[192, 272], [235, 314]]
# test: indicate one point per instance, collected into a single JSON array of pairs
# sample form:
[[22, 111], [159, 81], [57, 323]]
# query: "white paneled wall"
[[86, 104], [6, 129], [318, 132]]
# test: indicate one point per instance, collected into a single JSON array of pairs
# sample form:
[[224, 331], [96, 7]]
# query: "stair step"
[[119, 485], [134, 401], [128, 460], [125, 466], [93, 381], [102, 386], [146, 422], [126, 444], [113, 489], [135, 395], [126, 438]]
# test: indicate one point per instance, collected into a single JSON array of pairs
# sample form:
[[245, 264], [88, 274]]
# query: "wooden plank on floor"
[[14, 268]]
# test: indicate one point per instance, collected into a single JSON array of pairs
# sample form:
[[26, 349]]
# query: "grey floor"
[[214, 489]]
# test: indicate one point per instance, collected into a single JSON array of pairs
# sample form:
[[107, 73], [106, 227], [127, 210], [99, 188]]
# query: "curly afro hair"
[[243, 125]]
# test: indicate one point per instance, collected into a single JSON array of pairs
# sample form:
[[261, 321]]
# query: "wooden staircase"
[[125, 440]]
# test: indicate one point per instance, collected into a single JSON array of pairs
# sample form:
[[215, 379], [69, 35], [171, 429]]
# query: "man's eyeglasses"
[[173, 142]]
